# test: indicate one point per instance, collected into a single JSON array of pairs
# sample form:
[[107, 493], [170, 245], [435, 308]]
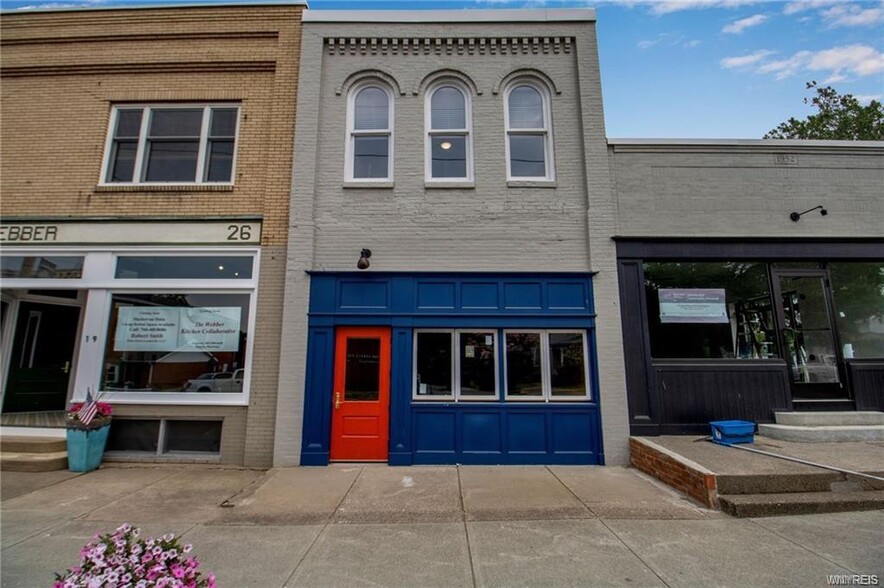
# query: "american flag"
[[89, 409]]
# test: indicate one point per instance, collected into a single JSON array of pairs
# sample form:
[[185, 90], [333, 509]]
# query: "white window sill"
[[449, 185], [164, 188], [531, 184], [360, 185]]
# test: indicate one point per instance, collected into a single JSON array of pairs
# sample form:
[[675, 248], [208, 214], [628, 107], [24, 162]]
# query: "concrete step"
[[17, 444], [822, 434], [785, 482], [830, 418], [33, 462], [764, 505]]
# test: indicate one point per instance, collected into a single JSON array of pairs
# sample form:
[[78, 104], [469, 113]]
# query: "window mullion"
[[455, 360], [141, 150], [202, 152], [545, 368]]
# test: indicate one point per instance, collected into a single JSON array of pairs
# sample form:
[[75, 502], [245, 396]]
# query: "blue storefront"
[[445, 368]]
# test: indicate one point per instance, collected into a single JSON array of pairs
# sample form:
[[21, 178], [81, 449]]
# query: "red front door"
[[361, 394]]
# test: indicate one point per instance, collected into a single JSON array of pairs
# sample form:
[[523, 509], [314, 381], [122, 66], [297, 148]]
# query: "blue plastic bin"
[[730, 432]]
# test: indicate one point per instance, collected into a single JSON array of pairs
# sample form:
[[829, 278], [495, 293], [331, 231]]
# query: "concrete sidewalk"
[[428, 526]]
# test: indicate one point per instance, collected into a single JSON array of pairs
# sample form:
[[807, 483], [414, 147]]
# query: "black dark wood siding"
[[867, 380], [694, 393]]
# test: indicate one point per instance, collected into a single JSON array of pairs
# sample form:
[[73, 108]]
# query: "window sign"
[[693, 305], [165, 328]]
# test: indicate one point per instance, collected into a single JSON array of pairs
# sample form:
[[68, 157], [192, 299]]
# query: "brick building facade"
[[150, 144]]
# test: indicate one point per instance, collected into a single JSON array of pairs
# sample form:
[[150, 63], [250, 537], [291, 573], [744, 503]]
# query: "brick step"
[[764, 505], [16, 444], [830, 418], [822, 434], [33, 462]]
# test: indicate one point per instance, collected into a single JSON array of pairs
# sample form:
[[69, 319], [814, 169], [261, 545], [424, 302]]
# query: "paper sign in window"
[[693, 305], [166, 328]]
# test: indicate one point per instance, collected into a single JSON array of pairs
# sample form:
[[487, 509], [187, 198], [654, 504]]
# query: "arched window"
[[528, 132], [370, 134], [448, 142]]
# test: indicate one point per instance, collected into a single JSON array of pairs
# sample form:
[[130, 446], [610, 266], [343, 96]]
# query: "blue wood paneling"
[[506, 433], [359, 294], [435, 295], [523, 295], [480, 295], [499, 432]]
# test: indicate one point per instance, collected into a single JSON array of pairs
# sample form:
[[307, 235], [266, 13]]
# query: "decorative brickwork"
[[686, 477]]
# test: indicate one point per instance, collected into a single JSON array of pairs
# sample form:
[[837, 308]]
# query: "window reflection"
[[712, 310], [176, 343], [858, 292]]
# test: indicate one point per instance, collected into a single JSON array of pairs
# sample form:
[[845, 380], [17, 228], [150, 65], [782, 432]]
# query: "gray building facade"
[[466, 152], [752, 278]]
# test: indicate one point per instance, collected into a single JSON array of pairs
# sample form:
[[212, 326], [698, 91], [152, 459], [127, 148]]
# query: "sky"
[[692, 68]]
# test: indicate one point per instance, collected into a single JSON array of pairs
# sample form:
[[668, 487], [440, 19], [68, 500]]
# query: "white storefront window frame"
[[457, 395], [98, 278], [545, 368]]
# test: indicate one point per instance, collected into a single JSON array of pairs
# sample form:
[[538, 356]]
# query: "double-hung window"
[[180, 144], [546, 365], [455, 364], [528, 132], [370, 134], [448, 142]]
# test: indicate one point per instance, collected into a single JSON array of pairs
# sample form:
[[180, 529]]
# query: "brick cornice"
[[143, 37], [130, 68], [447, 45]]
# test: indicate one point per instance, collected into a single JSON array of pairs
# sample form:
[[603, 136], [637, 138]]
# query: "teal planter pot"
[[86, 448]]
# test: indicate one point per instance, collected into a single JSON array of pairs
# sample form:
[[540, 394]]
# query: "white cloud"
[[866, 98], [853, 15], [668, 6], [738, 26], [860, 60], [63, 5], [647, 44], [745, 60], [839, 63], [692, 43], [805, 5]]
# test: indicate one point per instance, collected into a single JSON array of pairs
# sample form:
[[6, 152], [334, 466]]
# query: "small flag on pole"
[[89, 409]]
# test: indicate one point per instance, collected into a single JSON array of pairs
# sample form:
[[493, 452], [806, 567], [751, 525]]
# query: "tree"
[[839, 117]]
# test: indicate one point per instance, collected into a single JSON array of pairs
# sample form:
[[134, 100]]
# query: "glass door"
[[807, 333]]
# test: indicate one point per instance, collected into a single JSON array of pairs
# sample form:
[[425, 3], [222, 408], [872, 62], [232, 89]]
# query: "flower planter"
[[86, 448]]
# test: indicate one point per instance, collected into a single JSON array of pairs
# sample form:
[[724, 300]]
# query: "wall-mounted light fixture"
[[363, 262], [795, 216]]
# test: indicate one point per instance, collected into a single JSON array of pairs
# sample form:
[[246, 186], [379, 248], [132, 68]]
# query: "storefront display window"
[[710, 310], [176, 343], [858, 293], [546, 365], [474, 369], [184, 267], [56, 267]]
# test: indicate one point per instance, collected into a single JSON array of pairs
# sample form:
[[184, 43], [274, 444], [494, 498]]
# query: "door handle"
[[337, 400], [67, 367]]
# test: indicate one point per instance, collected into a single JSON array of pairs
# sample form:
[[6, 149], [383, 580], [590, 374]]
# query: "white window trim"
[[352, 133], [545, 370], [140, 154], [429, 132], [457, 395], [98, 277], [546, 130]]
